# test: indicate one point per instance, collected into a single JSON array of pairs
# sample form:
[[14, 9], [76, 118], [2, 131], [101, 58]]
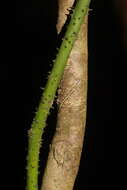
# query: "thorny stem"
[[39, 121]]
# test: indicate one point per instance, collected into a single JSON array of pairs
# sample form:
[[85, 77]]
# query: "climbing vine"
[[39, 121]]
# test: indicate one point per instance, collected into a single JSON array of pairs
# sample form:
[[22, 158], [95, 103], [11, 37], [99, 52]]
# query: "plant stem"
[[39, 121], [66, 147]]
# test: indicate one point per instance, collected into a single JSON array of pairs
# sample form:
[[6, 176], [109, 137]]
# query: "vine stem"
[[39, 121]]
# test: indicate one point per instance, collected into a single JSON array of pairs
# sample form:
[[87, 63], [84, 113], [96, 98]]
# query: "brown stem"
[[65, 152]]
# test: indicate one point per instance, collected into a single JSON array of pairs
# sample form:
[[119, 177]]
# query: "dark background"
[[35, 42]]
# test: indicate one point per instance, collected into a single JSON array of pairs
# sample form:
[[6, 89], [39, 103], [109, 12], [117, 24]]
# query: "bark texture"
[[65, 151]]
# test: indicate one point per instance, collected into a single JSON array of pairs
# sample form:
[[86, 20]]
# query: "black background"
[[35, 42]]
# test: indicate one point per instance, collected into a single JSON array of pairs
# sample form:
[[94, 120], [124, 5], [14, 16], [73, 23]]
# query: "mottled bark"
[[65, 151]]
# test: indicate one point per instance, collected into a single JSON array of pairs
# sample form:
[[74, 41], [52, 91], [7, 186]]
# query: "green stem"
[[39, 122]]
